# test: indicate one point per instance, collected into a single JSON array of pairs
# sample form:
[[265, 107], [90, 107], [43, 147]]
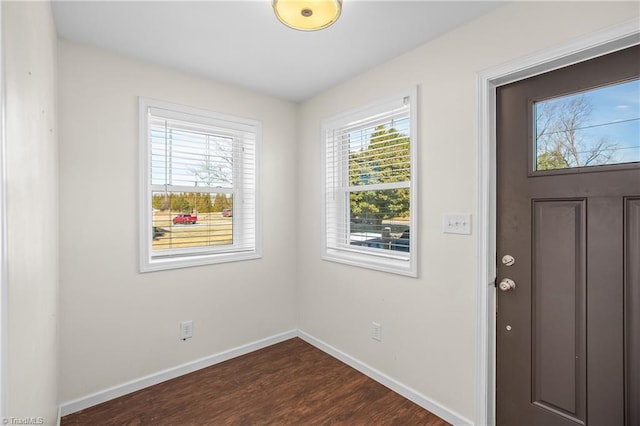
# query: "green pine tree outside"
[[386, 159], [188, 202]]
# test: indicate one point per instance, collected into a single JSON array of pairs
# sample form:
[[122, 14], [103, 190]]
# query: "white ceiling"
[[242, 42]]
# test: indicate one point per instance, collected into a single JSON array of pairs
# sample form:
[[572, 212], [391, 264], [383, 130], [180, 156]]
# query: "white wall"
[[116, 324], [429, 323], [32, 217]]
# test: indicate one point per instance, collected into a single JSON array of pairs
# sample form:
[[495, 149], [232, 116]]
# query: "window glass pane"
[[380, 219], [187, 220], [380, 154], [592, 128], [189, 157]]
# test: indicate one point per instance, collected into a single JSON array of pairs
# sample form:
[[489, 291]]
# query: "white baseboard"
[[407, 392], [170, 373]]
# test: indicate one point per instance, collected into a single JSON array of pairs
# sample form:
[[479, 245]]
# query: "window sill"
[[378, 263], [163, 264]]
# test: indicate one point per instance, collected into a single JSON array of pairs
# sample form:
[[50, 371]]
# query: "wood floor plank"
[[291, 383]]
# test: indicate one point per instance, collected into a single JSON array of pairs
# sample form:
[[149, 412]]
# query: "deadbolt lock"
[[507, 284], [508, 260]]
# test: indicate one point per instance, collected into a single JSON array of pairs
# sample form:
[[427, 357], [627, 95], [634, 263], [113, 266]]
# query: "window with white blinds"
[[370, 199], [199, 202]]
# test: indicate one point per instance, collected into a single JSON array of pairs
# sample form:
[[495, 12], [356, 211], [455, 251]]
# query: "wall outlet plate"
[[376, 331], [186, 330]]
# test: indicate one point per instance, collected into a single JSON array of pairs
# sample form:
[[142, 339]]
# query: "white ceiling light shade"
[[309, 15]]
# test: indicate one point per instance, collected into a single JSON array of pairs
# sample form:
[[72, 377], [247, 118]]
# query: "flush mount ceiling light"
[[309, 15]]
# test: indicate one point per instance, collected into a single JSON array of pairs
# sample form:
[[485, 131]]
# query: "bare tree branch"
[[560, 138]]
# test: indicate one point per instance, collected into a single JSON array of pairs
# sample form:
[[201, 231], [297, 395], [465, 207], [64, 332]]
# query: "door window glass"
[[592, 128]]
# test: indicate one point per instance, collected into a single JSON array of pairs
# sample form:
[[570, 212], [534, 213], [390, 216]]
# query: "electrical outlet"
[[186, 330], [376, 331]]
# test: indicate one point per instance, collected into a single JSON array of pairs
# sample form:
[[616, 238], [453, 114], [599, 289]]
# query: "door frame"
[[590, 46]]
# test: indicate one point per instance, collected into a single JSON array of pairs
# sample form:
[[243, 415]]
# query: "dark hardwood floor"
[[291, 383]]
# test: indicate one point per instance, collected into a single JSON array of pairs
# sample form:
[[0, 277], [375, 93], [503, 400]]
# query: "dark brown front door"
[[568, 333]]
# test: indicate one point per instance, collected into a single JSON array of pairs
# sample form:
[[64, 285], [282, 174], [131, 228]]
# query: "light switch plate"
[[456, 223]]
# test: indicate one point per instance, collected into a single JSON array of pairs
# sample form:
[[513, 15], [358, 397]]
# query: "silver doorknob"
[[507, 284]]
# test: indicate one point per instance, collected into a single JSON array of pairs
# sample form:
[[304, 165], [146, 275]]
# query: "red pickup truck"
[[185, 219]]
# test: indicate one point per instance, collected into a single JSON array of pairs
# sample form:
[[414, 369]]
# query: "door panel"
[[559, 307], [605, 349], [568, 334], [632, 309]]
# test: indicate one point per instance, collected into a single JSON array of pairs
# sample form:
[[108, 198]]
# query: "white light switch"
[[456, 223]]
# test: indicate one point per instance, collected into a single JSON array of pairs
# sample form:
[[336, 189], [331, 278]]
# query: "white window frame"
[[245, 223], [377, 259]]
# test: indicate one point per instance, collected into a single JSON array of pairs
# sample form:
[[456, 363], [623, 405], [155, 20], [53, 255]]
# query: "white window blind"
[[200, 187], [370, 199]]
